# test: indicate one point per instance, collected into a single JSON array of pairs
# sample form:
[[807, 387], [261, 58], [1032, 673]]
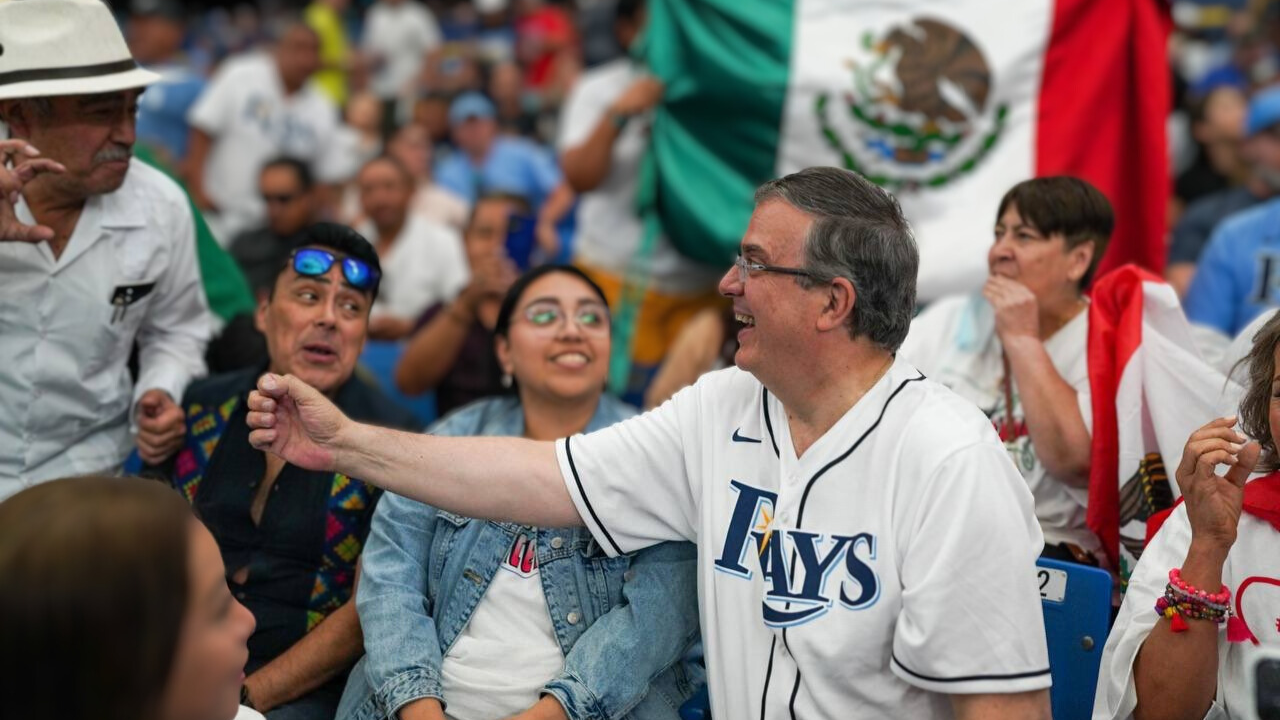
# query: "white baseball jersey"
[[887, 567]]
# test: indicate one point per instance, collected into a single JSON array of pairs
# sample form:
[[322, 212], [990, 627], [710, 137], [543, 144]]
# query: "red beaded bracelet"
[[1222, 597]]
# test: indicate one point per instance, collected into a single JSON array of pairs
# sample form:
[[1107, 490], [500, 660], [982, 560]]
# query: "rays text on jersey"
[[796, 565]]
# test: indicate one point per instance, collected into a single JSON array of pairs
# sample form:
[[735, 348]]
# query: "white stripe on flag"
[[848, 51]]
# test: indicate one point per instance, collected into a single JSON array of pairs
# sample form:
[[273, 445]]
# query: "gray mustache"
[[112, 154]]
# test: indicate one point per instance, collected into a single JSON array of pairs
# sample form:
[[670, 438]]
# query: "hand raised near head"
[[26, 166], [1214, 501]]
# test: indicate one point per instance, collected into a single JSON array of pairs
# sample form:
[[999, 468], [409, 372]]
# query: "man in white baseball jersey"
[[865, 545]]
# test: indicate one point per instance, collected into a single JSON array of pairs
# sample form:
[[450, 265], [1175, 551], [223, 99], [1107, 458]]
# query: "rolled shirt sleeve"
[[611, 668]]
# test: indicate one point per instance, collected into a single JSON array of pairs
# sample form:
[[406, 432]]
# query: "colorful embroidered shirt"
[[297, 563]]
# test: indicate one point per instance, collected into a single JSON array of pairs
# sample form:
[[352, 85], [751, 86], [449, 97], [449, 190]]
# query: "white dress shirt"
[[65, 390]]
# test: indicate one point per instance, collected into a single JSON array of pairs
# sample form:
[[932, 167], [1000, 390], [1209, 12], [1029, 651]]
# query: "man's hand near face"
[[492, 274], [161, 427], [26, 166]]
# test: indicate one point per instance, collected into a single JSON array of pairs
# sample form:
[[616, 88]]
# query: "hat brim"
[[128, 80]]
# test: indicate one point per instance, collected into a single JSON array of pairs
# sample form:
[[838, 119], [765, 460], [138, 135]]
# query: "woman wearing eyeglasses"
[[468, 619], [1017, 349]]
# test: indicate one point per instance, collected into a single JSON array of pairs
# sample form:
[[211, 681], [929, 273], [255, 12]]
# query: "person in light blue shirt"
[[1202, 217], [487, 162], [1239, 272]]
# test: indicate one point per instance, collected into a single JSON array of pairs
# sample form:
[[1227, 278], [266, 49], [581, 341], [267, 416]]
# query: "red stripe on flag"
[[1115, 332], [1104, 100]]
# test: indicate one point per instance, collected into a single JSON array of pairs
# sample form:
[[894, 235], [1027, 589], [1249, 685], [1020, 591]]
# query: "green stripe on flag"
[[715, 137]]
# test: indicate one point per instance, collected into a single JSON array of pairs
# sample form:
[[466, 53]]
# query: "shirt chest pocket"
[[444, 540], [118, 307]]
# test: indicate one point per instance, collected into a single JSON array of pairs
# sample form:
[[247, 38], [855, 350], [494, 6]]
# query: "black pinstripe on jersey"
[[795, 688], [587, 501]]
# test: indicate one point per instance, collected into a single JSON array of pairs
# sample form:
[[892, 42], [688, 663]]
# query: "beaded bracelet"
[[1182, 601], [1222, 597]]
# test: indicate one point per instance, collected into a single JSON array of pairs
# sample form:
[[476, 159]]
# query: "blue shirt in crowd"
[[1237, 277], [514, 165], [1196, 226], [162, 111]]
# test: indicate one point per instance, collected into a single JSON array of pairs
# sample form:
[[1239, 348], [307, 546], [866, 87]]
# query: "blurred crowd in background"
[[471, 143], [472, 99]]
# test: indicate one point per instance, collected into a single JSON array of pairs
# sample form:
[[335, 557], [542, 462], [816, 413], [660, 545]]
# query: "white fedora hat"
[[64, 47]]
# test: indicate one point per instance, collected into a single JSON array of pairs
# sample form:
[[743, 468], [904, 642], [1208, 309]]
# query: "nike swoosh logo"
[[743, 438]]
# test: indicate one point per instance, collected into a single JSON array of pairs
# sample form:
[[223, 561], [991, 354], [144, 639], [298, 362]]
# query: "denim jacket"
[[624, 624]]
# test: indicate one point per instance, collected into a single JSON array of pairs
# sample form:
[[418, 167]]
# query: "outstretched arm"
[[493, 478]]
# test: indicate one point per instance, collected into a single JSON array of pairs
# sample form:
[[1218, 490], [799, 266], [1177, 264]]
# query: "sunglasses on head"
[[313, 263]]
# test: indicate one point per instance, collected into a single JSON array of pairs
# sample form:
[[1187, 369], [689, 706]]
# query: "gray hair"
[[858, 233]]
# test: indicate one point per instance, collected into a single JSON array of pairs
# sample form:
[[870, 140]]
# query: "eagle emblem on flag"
[[920, 112]]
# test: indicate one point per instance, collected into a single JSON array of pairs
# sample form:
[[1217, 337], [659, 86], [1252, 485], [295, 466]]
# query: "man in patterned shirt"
[[291, 538]]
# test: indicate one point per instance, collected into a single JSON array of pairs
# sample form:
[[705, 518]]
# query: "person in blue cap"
[[1202, 217], [487, 162], [1238, 274]]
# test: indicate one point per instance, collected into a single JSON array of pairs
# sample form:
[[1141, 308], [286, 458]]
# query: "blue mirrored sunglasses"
[[313, 262]]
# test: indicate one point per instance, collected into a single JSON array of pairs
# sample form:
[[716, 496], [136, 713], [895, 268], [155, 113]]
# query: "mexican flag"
[[1150, 390], [947, 103]]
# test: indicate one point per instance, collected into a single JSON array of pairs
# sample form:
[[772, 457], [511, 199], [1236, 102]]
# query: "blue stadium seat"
[[1077, 616], [379, 361]]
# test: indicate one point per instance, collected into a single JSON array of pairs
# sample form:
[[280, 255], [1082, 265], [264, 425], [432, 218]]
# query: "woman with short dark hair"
[[1215, 562], [115, 607], [1017, 349]]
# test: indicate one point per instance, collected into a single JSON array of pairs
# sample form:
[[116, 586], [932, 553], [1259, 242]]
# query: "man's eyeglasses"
[[593, 318], [313, 263], [746, 269]]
